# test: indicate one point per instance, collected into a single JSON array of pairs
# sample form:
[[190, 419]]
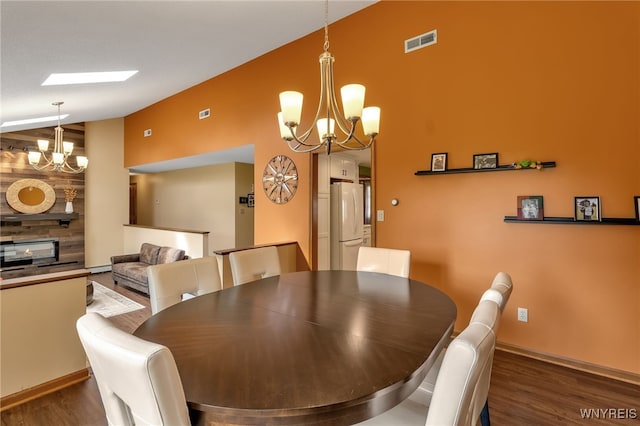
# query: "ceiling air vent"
[[424, 40]]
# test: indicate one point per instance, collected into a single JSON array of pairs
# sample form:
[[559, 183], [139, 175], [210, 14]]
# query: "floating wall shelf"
[[503, 168], [64, 219], [572, 221]]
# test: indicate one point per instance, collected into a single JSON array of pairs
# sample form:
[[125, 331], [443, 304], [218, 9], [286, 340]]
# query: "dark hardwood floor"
[[523, 391]]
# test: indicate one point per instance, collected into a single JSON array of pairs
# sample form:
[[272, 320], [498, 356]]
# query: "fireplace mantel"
[[63, 218]]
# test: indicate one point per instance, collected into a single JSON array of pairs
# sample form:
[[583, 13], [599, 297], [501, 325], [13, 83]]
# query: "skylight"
[[57, 79], [33, 120]]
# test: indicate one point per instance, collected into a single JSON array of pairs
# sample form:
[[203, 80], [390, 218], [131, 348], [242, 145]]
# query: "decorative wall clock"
[[280, 179]]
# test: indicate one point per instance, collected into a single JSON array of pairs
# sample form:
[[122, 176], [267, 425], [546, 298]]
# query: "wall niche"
[[67, 229]]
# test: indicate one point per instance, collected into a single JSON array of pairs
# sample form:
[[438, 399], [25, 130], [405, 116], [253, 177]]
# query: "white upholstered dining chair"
[[138, 380], [502, 283], [254, 264], [499, 293], [384, 260], [170, 283], [462, 383]]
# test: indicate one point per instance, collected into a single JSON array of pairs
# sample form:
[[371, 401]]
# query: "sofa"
[[131, 269]]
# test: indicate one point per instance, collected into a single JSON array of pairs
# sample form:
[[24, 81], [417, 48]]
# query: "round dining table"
[[313, 347]]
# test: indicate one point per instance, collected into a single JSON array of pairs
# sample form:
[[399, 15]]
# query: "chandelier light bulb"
[[82, 161], [352, 100], [34, 157], [285, 133], [67, 148], [291, 107], [371, 120], [322, 128], [58, 158]]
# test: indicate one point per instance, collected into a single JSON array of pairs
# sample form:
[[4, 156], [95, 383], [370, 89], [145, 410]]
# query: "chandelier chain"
[[326, 26], [58, 105]]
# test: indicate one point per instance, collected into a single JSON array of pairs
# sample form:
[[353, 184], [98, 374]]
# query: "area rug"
[[108, 303]]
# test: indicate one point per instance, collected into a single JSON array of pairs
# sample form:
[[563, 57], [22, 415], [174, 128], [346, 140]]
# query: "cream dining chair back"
[[170, 283], [457, 405], [254, 264], [502, 283], [138, 380], [384, 260], [486, 315], [499, 293], [462, 382], [462, 385]]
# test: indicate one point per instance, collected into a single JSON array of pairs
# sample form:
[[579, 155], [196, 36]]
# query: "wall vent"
[[205, 113], [424, 40]]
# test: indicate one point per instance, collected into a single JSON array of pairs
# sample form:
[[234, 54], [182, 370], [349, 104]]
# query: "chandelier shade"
[[328, 118], [57, 161]]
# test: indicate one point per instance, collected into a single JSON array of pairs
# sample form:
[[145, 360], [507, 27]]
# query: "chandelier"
[[328, 115], [58, 161]]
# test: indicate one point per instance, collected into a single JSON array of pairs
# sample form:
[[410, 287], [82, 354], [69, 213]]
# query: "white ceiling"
[[174, 45]]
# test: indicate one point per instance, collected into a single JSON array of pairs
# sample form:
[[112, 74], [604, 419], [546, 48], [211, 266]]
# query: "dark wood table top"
[[319, 347]]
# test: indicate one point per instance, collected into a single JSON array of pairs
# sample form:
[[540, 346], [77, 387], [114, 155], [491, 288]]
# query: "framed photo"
[[530, 207], [636, 202], [485, 161], [439, 162], [587, 209]]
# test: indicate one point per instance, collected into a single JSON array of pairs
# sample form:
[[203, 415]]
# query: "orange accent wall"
[[553, 81]]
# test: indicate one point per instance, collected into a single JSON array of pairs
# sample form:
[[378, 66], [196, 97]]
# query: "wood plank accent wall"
[[15, 166]]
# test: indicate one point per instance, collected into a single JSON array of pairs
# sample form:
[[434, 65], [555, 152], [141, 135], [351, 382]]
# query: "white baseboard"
[[99, 269]]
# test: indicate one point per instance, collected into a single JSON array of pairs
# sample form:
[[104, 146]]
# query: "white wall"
[[244, 214], [195, 245], [196, 199], [106, 191]]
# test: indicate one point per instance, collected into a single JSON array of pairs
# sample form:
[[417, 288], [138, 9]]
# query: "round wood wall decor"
[[280, 179], [30, 196]]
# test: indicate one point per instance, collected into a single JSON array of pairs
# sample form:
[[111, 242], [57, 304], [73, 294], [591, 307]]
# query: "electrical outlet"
[[380, 215], [523, 314]]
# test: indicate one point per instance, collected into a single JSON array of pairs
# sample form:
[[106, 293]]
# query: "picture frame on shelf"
[[587, 209], [485, 161], [636, 202], [439, 162], [530, 207]]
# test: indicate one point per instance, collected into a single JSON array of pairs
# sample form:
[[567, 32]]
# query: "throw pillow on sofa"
[[149, 253], [169, 254]]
